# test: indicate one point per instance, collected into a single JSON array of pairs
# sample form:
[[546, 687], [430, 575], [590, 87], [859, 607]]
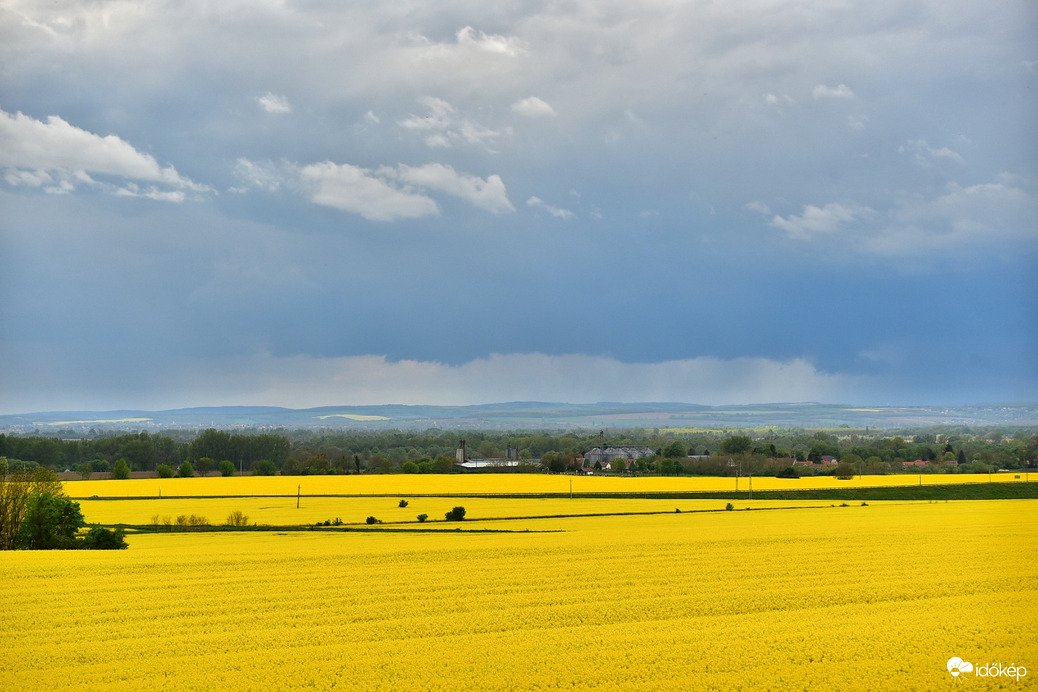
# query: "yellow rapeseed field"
[[282, 511], [855, 597], [433, 484]]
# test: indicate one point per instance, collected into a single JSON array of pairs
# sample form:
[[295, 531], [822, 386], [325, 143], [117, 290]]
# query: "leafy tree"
[[736, 444], [456, 514], [402, 503], [675, 450], [226, 468], [442, 464], [212, 443], [100, 538], [371, 520], [876, 466], [787, 472], [670, 467], [17, 486], [409, 467], [845, 471], [264, 467], [554, 461], [486, 450], [140, 452], [854, 461], [423, 517], [204, 466], [50, 521], [165, 471], [186, 470], [121, 470], [84, 470]]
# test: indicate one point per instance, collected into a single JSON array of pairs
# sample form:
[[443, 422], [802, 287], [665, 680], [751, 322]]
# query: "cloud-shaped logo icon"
[[956, 666]]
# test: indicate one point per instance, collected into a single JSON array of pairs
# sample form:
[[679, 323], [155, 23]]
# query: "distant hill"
[[526, 415]]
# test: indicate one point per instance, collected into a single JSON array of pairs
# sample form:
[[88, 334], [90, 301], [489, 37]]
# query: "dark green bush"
[[100, 538], [456, 514]]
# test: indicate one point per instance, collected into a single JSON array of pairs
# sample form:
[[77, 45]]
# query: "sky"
[[310, 203]]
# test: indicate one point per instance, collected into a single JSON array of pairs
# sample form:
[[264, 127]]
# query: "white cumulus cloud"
[[492, 43], [926, 155], [557, 212], [273, 103], [533, 107], [386, 193], [814, 220], [359, 191], [60, 157], [443, 126], [821, 91], [987, 217], [488, 194]]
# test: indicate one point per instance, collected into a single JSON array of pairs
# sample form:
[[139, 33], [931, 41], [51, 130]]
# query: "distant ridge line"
[[528, 415]]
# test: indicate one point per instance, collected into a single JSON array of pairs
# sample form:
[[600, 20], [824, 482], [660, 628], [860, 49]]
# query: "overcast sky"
[[315, 203]]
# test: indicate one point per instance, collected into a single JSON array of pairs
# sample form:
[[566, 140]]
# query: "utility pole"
[[299, 489]]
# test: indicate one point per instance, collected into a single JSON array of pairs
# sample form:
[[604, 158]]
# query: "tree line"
[[433, 451]]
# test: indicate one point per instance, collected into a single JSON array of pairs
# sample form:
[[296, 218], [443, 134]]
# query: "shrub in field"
[[100, 538], [456, 514], [226, 468], [403, 503], [371, 520], [423, 517], [729, 506], [184, 522], [165, 471], [186, 470], [237, 518]]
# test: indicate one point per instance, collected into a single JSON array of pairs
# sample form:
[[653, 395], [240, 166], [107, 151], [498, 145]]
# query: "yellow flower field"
[[873, 597], [492, 484], [282, 511]]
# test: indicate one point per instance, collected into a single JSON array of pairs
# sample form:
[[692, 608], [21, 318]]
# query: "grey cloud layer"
[[660, 190]]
